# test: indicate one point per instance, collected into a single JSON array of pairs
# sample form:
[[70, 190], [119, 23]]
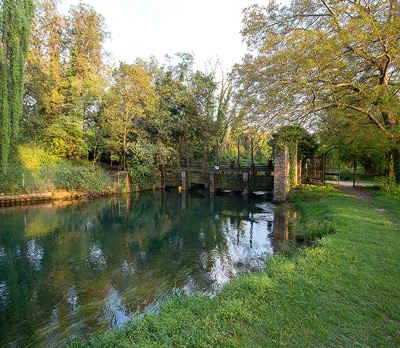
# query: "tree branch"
[[356, 108]]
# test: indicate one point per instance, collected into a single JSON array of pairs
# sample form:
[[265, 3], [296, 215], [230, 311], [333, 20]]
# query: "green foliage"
[[143, 175], [130, 104], [15, 20], [307, 145], [288, 249], [359, 142], [142, 163], [388, 187], [66, 138], [66, 79], [81, 177], [313, 230], [346, 174], [44, 92], [337, 75], [34, 169]]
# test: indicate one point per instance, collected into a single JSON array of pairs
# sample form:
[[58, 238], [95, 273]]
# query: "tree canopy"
[[130, 102], [316, 56]]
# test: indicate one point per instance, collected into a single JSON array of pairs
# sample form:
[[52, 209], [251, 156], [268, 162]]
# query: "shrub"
[[75, 176], [144, 176], [33, 169], [313, 230], [387, 186]]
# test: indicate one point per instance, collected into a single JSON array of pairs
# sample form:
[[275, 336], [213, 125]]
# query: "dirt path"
[[358, 192]]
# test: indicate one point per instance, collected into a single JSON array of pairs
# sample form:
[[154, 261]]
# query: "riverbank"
[[36, 175], [344, 293], [34, 198]]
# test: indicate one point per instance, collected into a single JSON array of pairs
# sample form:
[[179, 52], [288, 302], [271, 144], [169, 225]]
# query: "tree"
[[44, 93], [217, 99], [65, 78], [318, 55], [85, 72], [129, 103], [15, 21], [306, 143]]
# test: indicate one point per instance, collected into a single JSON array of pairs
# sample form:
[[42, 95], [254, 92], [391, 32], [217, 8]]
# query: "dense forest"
[[331, 67]]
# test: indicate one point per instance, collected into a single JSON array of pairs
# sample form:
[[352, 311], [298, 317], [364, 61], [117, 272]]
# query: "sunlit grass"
[[33, 170]]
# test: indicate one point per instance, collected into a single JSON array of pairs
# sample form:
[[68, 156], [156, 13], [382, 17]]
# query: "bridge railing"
[[267, 169]]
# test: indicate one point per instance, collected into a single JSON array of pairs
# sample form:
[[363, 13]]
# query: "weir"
[[244, 179], [277, 178]]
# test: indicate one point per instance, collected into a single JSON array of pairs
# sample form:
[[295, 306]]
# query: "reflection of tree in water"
[[88, 261]]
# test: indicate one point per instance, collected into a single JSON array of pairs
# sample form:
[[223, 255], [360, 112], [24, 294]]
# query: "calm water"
[[88, 266]]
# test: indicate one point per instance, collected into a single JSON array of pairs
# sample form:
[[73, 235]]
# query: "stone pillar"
[[183, 181], [212, 182], [281, 174], [245, 183]]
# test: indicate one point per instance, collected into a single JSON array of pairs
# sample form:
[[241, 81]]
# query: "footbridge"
[[224, 177]]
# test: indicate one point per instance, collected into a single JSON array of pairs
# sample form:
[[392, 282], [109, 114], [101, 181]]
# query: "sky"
[[141, 28]]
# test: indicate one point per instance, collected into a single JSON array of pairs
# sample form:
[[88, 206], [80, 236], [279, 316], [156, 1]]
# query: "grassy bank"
[[342, 293], [33, 169]]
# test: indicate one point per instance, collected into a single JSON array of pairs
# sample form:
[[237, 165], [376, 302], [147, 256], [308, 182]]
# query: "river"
[[81, 267]]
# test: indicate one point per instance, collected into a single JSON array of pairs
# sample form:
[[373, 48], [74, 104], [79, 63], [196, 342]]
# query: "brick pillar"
[[281, 173]]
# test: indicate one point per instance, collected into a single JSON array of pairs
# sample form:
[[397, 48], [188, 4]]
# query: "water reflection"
[[285, 220], [90, 265]]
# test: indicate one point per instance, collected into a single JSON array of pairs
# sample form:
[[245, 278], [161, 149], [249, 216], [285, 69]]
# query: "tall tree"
[[65, 78], [130, 101], [15, 21], [319, 55], [85, 74], [44, 92]]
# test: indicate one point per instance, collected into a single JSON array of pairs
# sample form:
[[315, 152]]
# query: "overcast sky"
[[140, 28]]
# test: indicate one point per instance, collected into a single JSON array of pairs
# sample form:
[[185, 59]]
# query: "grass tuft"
[[314, 229]]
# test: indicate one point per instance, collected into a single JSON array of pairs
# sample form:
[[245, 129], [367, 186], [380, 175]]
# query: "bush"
[[346, 174], [313, 230], [33, 169], [386, 186], [144, 176], [72, 176]]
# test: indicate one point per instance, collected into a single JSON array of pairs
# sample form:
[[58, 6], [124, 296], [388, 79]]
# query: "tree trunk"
[[396, 164]]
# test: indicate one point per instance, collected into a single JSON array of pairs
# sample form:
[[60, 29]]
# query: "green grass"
[[313, 230], [341, 292], [33, 169]]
